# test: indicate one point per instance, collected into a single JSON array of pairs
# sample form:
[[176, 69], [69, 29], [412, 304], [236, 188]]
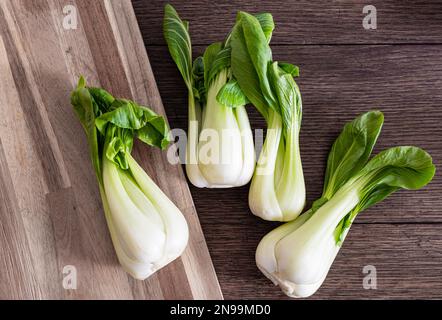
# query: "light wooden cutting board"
[[51, 219]]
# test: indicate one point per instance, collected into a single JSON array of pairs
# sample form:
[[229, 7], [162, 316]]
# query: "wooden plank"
[[31, 103], [25, 175], [302, 21], [52, 83], [58, 217], [337, 83], [15, 258]]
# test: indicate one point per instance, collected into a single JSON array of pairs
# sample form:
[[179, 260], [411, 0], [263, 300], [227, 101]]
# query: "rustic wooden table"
[[345, 70]]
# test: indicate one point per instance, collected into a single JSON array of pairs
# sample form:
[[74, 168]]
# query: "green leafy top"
[[217, 57], [287, 93], [267, 24], [267, 84], [392, 169], [176, 33], [351, 150], [405, 167], [231, 95], [199, 89], [111, 125]]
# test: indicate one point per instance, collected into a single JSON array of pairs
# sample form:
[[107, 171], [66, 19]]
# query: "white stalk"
[[279, 165], [220, 151], [175, 225], [148, 231], [290, 190], [137, 269], [298, 255], [263, 201], [134, 233], [265, 253], [140, 200], [193, 172], [220, 148], [277, 192], [248, 147]]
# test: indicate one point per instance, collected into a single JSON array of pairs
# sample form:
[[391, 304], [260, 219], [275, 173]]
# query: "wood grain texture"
[[400, 236], [302, 21], [50, 208]]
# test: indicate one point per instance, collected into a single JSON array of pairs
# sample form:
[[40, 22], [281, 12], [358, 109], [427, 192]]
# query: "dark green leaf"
[[351, 150], [403, 167], [102, 98], [260, 55], [125, 114], [220, 62], [267, 24], [147, 125], [231, 95], [244, 70], [178, 41], [208, 57], [153, 135], [289, 68], [389, 171], [287, 92], [198, 79], [111, 125]]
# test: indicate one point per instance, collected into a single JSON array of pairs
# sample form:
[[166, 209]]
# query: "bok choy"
[[148, 231], [277, 191], [220, 150], [298, 255]]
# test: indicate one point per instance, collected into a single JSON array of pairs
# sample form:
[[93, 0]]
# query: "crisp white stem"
[[265, 252], [133, 232], [138, 270], [279, 165], [298, 255], [248, 147], [220, 149], [263, 201], [140, 200], [177, 231], [290, 190], [193, 172]]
